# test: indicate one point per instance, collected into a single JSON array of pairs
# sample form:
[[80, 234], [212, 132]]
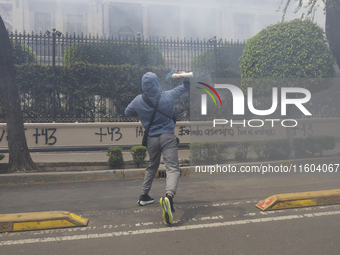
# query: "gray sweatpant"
[[167, 145]]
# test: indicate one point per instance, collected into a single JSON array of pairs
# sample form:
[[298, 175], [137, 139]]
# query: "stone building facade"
[[228, 19]]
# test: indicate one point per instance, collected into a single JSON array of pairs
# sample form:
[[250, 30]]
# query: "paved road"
[[212, 217]]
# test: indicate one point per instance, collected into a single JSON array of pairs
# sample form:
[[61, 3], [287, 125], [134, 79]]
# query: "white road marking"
[[140, 224], [167, 229]]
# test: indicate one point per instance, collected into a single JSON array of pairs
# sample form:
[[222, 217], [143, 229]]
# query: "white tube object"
[[182, 75]]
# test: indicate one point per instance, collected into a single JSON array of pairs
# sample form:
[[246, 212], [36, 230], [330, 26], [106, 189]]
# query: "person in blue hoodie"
[[161, 138]]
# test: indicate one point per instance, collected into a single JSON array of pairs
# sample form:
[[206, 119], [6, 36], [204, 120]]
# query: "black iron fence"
[[59, 56], [69, 78], [177, 53]]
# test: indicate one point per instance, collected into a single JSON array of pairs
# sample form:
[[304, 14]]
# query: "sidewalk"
[[100, 156], [93, 166], [92, 157]]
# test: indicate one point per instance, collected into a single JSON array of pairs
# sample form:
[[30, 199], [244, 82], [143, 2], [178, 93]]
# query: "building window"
[[42, 22], [74, 24], [125, 33]]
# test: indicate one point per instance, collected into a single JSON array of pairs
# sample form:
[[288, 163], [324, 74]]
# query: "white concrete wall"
[[131, 133]]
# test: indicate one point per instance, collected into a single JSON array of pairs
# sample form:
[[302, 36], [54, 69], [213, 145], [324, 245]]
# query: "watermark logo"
[[239, 102], [204, 97]]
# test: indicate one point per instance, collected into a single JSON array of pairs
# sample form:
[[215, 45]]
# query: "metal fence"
[[56, 49], [213, 57], [49, 48]]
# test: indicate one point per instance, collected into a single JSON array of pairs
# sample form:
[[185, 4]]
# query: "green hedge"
[[208, 152], [304, 147], [113, 53], [78, 84]]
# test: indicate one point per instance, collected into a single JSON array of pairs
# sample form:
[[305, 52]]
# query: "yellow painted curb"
[[40, 220], [302, 199]]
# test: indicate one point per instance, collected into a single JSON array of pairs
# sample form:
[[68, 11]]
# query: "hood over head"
[[150, 84]]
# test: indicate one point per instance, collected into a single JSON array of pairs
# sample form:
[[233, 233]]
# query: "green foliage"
[[228, 61], [276, 149], [113, 53], [311, 5], [138, 154], [294, 49], [23, 54], [196, 150], [2, 156], [258, 149], [115, 157], [317, 144], [303, 147], [208, 152], [79, 86], [242, 150], [272, 149], [300, 147], [220, 152]]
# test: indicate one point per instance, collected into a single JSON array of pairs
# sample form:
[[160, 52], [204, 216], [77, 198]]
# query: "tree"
[[19, 157], [280, 52], [332, 11]]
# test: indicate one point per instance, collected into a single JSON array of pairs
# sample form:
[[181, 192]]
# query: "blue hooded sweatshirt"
[[138, 107]]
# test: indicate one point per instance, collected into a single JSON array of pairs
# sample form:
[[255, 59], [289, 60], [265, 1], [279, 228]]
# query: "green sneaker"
[[168, 209]]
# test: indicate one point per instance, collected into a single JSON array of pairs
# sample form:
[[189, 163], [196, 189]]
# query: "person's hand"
[[180, 77]]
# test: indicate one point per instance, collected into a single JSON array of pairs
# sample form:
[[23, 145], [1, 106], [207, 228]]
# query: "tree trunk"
[[332, 27], [19, 157]]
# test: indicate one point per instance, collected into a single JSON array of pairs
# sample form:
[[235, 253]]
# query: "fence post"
[[139, 81], [55, 33], [215, 54]]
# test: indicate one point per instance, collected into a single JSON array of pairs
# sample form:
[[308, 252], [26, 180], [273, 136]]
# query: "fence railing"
[[54, 50], [177, 53]]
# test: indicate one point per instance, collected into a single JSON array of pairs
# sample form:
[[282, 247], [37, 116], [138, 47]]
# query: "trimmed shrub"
[[300, 147], [115, 157], [276, 149], [138, 154], [242, 150], [196, 151], [2, 156], [294, 49], [258, 149], [317, 144], [272, 149], [221, 151], [208, 152], [279, 149]]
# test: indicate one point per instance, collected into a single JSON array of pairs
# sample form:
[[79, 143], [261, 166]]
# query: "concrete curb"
[[302, 199], [119, 174], [40, 220]]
